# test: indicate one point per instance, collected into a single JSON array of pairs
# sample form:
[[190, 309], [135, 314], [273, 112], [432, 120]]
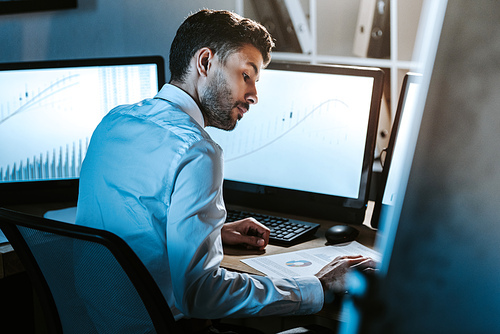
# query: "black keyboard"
[[284, 231]]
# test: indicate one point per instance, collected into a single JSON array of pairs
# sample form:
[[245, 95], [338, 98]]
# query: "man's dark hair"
[[222, 31]]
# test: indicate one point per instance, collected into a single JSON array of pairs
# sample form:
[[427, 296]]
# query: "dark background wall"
[[98, 28]]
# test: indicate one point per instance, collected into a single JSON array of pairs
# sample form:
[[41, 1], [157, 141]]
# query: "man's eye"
[[246, 76]]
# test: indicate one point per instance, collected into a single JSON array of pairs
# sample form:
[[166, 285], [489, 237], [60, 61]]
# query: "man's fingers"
[[370, 270], [259, 233], [350, 261], [255, 242], [347, 258], [359, 260], [250, 232], [365, 264]]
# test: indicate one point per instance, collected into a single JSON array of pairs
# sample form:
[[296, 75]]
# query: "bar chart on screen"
[[47, 116]]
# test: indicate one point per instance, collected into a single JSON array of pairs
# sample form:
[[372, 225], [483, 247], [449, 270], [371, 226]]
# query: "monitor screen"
[[49, 109], [394, 173], [311, 136], [398, 141], [402, 134]]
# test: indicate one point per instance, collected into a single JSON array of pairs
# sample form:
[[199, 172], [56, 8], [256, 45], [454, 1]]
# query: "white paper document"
[[307, 262]]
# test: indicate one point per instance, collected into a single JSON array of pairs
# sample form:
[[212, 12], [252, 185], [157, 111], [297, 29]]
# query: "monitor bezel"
[[22, 6], [377, 208], [63, 190], [308, 204]]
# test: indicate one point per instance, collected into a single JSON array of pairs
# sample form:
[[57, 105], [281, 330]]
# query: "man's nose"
[[251, 96]]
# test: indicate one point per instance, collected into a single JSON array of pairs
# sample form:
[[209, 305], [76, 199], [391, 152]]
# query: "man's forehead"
[[250, 56]]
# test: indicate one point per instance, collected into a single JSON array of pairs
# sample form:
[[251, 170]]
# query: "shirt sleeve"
[[203, 289]]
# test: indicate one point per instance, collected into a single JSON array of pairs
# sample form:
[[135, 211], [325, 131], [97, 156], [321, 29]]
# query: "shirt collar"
[[183, 100]]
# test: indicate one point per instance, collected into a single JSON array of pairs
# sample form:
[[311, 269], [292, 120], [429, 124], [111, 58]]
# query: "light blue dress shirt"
[[153, 176]]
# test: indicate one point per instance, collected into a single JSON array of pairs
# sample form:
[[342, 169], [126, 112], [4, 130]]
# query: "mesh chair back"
[[97, 283]]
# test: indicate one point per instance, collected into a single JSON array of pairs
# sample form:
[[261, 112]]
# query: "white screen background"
[[47, 116], [306, 133]]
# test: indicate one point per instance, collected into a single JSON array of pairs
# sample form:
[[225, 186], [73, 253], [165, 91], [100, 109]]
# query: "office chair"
[[87, 280]]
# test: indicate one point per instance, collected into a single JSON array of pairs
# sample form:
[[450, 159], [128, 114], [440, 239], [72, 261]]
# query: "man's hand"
[[248, 232], [332, 276]]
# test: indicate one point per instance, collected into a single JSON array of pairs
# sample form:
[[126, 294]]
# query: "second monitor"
[[307, 147]]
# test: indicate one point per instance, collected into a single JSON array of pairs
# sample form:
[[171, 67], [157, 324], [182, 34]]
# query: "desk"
[[234, 255], [10, 264]]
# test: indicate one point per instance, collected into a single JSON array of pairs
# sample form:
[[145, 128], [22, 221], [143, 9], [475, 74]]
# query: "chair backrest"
[[87, 280]]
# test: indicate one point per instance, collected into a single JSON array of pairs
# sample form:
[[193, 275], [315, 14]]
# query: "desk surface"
[[10, 264], [234, 255]]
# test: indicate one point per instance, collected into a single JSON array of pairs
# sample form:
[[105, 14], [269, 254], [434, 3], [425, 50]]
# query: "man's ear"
[[204, 58]]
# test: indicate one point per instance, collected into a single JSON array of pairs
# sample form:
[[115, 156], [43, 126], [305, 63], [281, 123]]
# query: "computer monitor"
[[307, 147], [398, 141], [48, 112]]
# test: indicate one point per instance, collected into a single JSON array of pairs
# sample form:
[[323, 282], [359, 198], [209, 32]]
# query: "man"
[[153, 176]]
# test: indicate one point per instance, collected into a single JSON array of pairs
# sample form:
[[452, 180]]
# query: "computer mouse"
[[340, 233]]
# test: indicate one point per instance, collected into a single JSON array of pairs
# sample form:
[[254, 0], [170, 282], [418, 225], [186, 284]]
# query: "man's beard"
[[216, 104]]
